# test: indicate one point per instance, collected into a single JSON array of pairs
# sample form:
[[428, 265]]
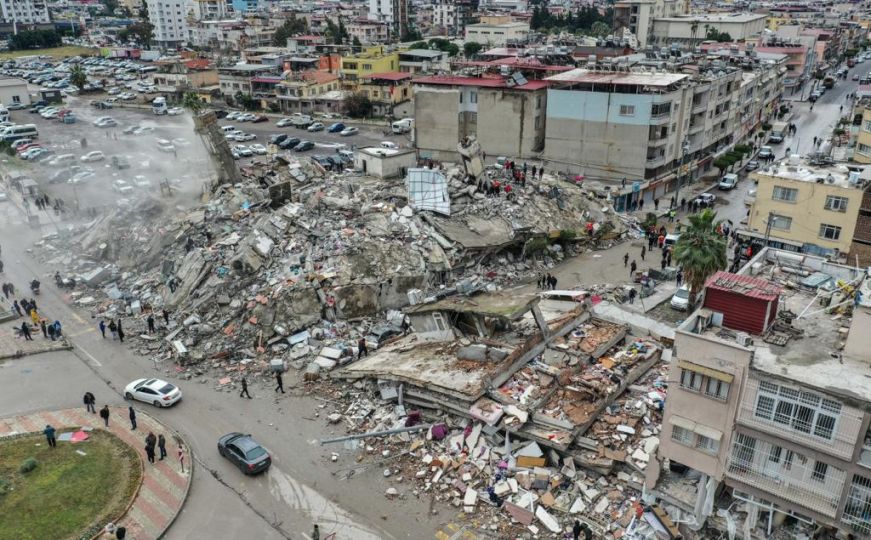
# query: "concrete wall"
[[438, 110], [666, 30], [8, 93], [807, 212], [387, 166], [507, 122]]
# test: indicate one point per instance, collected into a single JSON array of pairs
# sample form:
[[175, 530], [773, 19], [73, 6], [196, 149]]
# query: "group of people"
[[28, 308], [547, 282], [115, 328], [151, 441]]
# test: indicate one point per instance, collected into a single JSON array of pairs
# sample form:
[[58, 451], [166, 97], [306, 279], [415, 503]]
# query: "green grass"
[[57, 52], [67, 493]]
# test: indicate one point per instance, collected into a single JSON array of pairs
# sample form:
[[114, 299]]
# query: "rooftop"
[[802, 171], [583, 75], [384, 152], [389, 76], [422, 53], [503, 305], [515, 24], [716, 17], [744, 285], [482, 82]]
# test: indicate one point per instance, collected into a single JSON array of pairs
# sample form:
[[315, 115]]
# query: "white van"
[[228, 129], [23, 131], [402, 126], [390, 145]]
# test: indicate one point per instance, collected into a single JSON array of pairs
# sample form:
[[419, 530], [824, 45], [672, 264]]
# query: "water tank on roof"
[[854, 177]]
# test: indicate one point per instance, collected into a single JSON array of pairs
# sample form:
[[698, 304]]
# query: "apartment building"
[[807, 208], [392, 12], [368, 32], [768, 400], [169, 18], [424, 61], [24, 11], [180, 75], [211, 10], [300, 91], [498, 34], [386, 90], [372, 60], [506, 116], [693, 29], [637, 16], [238, 78], [452, 16]]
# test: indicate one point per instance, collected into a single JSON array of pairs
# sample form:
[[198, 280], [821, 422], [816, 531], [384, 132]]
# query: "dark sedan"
[[244, 452], [289, 143]]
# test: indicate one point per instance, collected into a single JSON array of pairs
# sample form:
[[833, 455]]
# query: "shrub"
[[5, 486], [535, 245], [567, 235], [28, 465]]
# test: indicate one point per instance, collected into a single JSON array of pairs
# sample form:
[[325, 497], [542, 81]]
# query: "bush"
[[766, 126], [535, 245], [567, 235], [650, 220], [28, 465], [5, 486]]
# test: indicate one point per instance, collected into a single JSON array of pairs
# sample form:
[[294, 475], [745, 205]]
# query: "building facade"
[[24, 11], [169, 18], [372, 60], [693, 29], [637, 16], [392, 12], [498, 35]]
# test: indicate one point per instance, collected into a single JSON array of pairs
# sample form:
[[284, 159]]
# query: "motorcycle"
[[64, 283]]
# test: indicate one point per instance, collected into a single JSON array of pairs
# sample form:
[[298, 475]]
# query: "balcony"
[[699, 107], [656, 160], [696, 127]]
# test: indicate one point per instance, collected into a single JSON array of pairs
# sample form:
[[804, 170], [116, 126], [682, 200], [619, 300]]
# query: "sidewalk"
[[164, 488], [14, 347]]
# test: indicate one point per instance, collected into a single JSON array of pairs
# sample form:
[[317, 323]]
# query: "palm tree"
[[78, 77], [192, 102], [700, 250]]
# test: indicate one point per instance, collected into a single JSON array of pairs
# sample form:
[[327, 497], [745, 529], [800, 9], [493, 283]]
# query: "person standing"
[[181, 456], [678, 278], [279, 382], [166, 317], [161, 445], [316, 531], [150, 441], [89, 402], [49, 435], [44, 329], [102, 327], [625, 259], [150, 321], [120, 331], [632, 294], [104, 414], [25, 331], [632, 268], [16, 307], [362, 350], [132, 418], [244, 391], [552, 282], [113, 329], [643, 251]]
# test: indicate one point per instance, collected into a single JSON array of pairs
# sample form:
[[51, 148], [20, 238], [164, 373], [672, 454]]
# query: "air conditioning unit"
[[743, 339]]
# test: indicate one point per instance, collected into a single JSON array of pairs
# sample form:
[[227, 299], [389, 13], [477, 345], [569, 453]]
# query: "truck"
[[300, 120], [829, 81], [402, 126], [158, 106], [778, 133]]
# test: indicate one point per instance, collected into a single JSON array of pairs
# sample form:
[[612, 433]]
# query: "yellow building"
[[811, 208], [300, 91], [370, 61], [773, 23], [863, 139]]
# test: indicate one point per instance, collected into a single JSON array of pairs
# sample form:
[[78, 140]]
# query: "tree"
[[412, 34], [700, 250], [192, 102], [358, 47], [291, 27], [471, 48], [444, 45], [358, 105], [713, 34], [78, 77], [140, 32], [600, 29], [246, 101], [34, 39]]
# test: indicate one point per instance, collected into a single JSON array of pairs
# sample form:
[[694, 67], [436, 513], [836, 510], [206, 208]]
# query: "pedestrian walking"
[[316, 531], [44, 330], [362, 350], [180, 453], [161, 445], [632, 294], [632, 268], [104, 414], [25, 331], [150, 442], [132, 418], [49, 435], [113, 328], [678, 278], [656, 204], [553, 283], [150, 322], [279, 382], [625, 260], [89, 402], [102, 327], [120, 331], [643, 251], [51, 332], [244, 391]]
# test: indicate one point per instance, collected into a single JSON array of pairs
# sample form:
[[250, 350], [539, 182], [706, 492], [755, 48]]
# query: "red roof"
[[744, 285], [199, 63], [482, 82], [390, 76]]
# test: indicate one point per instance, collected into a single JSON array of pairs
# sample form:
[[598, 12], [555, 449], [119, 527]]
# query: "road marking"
[[77, 318], [89, 355], [83, 332]]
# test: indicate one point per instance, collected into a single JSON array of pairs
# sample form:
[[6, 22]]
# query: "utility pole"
[[768, 227], [685, 146]]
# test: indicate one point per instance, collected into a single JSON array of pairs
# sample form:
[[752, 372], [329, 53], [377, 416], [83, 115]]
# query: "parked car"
[[288, 143], [121, 187], [729, 181], [752, 165], [336, 128], [706, 199], [15, 106], [105, 122], [120, 162], [284, 122], [258, 149], [243, 137], [81, 177], [174, 111], [140, 181], [304, 146], [155, 391], [347, 132], [681, 299], [765, 152], [142, 130], [390, 145], [277, 138], [260, 118], [34, 152], [233, 115], [317, 126], [96, 155], [244, 452], [243, 150]]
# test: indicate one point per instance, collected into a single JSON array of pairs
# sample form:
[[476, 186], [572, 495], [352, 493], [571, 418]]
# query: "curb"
[[22, 354]]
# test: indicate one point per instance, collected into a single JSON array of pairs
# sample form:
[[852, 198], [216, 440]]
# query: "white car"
[[96, 155], [127, 96], [141, 182], [122, 187], [258, 149], [284, 122], [681, 299], [33, 153], [141, 130], [175, 111], [155, 391], [347, 132], [105, 121], [231, 135], [317, 126], [63, 159], [242, 137], [81, 178], [233, 115], [243, 150], [247, 117], [114, 91], [389, 145]]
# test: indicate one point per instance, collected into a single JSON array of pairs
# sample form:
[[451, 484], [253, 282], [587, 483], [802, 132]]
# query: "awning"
[[682, 422], [710, 433], [712, 373]]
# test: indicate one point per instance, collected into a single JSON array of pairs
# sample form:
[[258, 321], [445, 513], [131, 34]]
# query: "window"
[[439, 321], [660, 109], [829, 232], [473, 97], [836, 204], [864, 149], [690, 380], [716, 389], [781, 222], [708, 445], [797, 410], [820, 470], [682, 435], [866, 125], [784, 194], [627, 110], [16, 99]]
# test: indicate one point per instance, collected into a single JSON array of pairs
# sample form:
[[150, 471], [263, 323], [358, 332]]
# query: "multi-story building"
[[178, 76], [238, 79], [506, 116], [392, 12], [637, 16], [769, 397], [371, 60], [862, 153], [423, 61], [386, 90], [169, 18], [693, 29], [24, 11], [807, 208], [498, 34], [210, 10], [300, 91], [367, 31]]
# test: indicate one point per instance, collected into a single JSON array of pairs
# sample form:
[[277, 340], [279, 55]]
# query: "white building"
[[211, 10], [169, 18], [24, 11], [637, 16], [14, 91], [392, 12], [498, 35], [694, 28]]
